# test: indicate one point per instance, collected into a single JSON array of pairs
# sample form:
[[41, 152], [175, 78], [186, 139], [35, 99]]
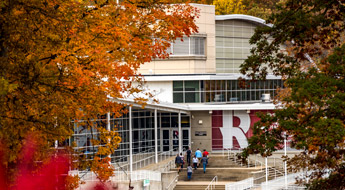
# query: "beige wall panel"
[[201, 142], [190, 65]]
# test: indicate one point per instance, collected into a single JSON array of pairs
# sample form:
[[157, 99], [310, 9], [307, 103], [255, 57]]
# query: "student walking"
[[189, 155], [178, 162], [204, 162], [189, 172], [182, 162], [205, 153], [195, 162], [198, 155]]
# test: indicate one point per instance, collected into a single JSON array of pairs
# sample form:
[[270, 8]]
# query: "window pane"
[[191, 85], [178, 98], [185, 121], [208, 85], [181, 47], [197, 45], [177, 86], [202, 85], [185, 134], [192, 97], [219, 97]]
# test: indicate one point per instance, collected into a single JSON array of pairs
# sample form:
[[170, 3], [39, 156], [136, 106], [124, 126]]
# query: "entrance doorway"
[[171, 141]]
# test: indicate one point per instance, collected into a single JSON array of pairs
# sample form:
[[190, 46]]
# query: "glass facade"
[[222, 90], [143, 135], [232, 44]]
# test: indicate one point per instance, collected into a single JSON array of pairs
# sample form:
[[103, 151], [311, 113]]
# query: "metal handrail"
[[233, 152], [146, 161], [212, 184], [244, 184]]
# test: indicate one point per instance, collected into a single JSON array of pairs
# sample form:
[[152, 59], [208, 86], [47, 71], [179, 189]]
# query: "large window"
[[223, 90], [232, 44], [143, 132], [186, 91], [192, 46]]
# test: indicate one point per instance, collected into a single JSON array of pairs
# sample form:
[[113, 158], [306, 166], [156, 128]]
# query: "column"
[[156, 137], [130, 140], [108, 127], [179, 133], [285, 164]]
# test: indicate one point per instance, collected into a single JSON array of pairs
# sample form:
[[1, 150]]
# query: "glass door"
[[175, 139], [166, 139], [185, 138]]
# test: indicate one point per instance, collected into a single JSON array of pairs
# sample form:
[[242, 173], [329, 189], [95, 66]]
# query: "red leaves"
[[51, 175]]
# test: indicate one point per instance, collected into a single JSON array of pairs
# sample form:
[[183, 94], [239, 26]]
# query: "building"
[[201, 104]]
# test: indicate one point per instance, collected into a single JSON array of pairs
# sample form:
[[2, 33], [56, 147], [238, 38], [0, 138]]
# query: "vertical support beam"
[[130, 141], [189, 52], [285, 164], [156, 137], [266, 171], [179, 133], [108, 127]]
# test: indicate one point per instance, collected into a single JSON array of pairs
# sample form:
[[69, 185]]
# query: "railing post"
[[274, 161], [266, 170], [156, 136], [130, 140], [179, 134]]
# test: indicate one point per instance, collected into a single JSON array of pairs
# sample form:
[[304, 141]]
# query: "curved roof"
[[242, 17]]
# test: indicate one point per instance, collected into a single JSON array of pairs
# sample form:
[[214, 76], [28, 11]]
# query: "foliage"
[[311, 110], [224, 7], [208, 2], [257, 8], [102, 168], [260, 8], [68, 59], [51, 173]]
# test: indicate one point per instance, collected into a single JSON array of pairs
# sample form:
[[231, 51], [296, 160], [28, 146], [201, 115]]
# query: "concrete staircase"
[[226, 170], [196, 186], [273, 172]]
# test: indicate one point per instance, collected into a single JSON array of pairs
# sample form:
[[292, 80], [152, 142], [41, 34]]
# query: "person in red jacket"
[[205, 153]]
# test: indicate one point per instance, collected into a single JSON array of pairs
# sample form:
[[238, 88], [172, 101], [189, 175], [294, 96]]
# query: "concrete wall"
[[259, 177], [138, 185], [191, 64], [162, 90], [167, 178], [207, 25], [202, 142]]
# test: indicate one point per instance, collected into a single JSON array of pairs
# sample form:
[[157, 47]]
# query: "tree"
[[260, 8], [63, 60], [229, 7], [208, 2], [311, 109]]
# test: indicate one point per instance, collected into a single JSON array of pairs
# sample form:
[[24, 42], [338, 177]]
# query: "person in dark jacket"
[[178, 162], [204, 162], [189, 155]]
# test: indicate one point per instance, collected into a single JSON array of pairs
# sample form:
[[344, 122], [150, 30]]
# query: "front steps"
[[218, 165], [198, 186]]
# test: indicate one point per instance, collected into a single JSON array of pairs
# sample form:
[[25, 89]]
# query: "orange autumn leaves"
[[62, 60]]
